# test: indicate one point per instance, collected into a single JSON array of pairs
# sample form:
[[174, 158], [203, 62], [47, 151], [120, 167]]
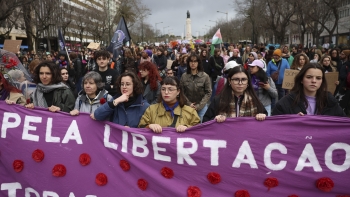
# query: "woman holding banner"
[[309, 95], [127, 105], [50, 92], [170, 111], [237, 99]]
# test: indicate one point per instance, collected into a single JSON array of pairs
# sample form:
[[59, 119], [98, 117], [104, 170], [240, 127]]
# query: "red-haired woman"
[[151, 81], [9, 93]]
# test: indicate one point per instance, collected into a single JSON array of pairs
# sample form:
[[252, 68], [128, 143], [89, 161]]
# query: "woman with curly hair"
[[127, 106], [299, 61], [151, 81]]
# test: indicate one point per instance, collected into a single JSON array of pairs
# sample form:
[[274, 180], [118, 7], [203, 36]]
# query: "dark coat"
[[160, 61], [285, 106], [215, 70], [238, 60]]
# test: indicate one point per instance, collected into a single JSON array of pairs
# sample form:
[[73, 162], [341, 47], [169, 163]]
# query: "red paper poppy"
[[193, 191], [102, 100], [59, 170], [124, 165], [8, 66], [242, 193], [325, 184], [142, 184], [101, 179], [84, 159], [18, 165], [293, 195], [167, 172], [214, 178], [38, 155], [271, 182]]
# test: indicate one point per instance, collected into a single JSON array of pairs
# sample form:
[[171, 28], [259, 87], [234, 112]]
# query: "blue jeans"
[[202, 112], [268, 109]]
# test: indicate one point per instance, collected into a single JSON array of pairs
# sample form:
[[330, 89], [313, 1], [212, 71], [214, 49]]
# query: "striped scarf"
[[247, 108]]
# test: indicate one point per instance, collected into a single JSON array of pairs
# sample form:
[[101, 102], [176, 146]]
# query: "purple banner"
[[56, 155]]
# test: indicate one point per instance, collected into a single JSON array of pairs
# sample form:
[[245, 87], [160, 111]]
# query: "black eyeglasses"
[[238, 81]]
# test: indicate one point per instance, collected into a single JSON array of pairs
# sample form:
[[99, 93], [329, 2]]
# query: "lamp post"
[[156, 30], [164, 28], [226, 15], [214, 22]]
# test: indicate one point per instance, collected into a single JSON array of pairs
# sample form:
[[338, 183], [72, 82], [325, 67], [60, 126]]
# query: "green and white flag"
[[217, 39]]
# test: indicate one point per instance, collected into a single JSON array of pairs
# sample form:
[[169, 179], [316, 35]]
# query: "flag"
[[217, 39], [120, 37], [61, 42]]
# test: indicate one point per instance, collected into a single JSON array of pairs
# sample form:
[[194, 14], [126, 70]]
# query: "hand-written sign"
[[94, 46], [331, 78], [169, 63], [288, 79], [12, 45]]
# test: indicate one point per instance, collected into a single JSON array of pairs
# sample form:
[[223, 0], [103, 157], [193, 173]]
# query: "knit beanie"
[[277, 52]]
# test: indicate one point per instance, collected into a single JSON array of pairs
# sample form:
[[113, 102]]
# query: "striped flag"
[[217, 39]]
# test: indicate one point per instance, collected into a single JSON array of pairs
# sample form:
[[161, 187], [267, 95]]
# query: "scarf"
[[170, 109], [247, 107], [38, 94], [4, 94]]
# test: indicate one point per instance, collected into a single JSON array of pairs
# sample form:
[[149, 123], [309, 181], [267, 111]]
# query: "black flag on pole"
[[120, 37], [61, 42]]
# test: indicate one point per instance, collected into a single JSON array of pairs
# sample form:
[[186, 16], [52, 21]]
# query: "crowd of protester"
[[183, 85]]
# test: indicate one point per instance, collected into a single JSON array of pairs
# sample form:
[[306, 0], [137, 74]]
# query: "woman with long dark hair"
[[309, 96], [237, 99], [151, 81], [299, 61], [170, 110], [205, 61], [50, 92], [263, 85], [196, 85]]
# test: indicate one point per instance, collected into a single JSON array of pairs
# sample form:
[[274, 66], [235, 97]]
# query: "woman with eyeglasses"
[[309, 96], [92, 96], [196, 85], [237, 99], [170, 111], [127, 105], [151, 81]]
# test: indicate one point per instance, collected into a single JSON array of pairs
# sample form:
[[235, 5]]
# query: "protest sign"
[[56, 155], [331, 78], [169, 63], [12, 45], [94, 46], [288, 79]]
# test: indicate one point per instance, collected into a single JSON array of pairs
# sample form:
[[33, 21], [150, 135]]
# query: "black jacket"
[[160, 61], [286, 106], [238, 60], [216, 71]]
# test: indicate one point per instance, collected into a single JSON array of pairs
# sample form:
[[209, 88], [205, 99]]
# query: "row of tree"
[[267, 18], [79, 20]]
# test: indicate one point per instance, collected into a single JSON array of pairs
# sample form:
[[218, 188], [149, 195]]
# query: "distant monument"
[[188, 27]]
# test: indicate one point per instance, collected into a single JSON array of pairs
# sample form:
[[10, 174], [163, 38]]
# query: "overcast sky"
[[173, 14]]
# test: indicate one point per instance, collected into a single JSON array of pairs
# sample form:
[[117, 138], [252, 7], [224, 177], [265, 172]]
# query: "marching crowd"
[[181, 86]]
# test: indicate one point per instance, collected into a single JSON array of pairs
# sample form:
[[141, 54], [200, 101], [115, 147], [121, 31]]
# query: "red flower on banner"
[[271, 182], [59, 170], [142, 184], [242, 193], [167, 172], [293, 195], [214, 178], [38, 155], [193, 191], [325, 184], [18, 165], [84, 159], [124, 165], [101, 179], [102, 101]]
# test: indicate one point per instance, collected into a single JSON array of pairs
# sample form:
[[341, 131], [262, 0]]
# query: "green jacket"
[[197, 88], [64, 99]]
